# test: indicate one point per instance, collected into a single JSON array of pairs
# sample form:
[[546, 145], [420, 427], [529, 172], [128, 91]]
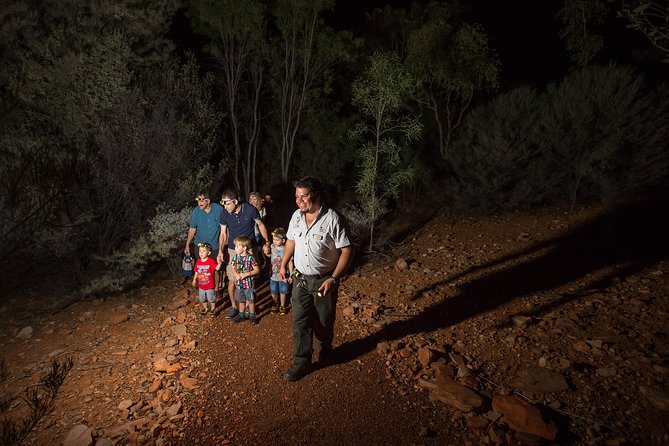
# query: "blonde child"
[[204, 277], [244, 268], [279, 288]]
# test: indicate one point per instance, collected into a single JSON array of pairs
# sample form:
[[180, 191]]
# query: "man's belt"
[[316, 276]]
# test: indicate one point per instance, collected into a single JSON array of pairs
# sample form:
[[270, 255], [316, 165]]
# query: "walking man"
[[238, 219], [204, 227], [318, 243]]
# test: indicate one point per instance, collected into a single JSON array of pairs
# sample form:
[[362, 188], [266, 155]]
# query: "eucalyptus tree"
[[303, 54], [581, 20], [238, 45], [453, 62], [651, 18], [380, 93]]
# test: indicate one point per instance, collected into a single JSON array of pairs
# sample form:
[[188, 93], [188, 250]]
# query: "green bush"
[[599, 135], [162, 242]]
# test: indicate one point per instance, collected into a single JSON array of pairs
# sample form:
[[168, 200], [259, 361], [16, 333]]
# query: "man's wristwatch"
[[334, 280]]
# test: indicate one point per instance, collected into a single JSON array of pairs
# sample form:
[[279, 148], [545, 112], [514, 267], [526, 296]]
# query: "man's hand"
[[187, 249], [325, 287]]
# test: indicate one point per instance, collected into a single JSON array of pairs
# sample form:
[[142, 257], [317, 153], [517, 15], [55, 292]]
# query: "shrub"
[[39, 399], [599, 135], [163, 240]]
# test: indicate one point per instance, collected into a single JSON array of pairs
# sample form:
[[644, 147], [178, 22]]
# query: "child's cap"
[[279, 233]]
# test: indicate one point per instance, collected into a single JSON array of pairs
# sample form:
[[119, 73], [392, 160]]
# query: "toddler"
[[204, 278], [244, 268], [279, 288]]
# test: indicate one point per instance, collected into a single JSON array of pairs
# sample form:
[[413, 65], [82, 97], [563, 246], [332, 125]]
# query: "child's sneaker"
[[273, 310], [212, 313], [246, 314], [203, 311], [282, 311], [239, 318], [253, 320]]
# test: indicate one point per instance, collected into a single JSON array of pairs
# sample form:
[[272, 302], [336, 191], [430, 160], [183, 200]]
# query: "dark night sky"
[[523, 33]]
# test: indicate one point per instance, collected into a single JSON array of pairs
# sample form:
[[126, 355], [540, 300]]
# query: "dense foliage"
[[106, 128], [599, 135]]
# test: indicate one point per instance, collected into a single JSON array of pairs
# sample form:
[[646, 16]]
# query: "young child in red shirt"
[[204, 279]]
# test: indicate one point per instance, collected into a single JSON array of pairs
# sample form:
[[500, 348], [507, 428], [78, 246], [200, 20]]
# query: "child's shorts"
[[245, 295], [207, 295], [278, 287]]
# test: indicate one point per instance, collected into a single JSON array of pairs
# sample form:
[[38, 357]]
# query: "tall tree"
[[651, 18], [380, 93], [304, 54], [580, 21], [236, 30], [453, 62]]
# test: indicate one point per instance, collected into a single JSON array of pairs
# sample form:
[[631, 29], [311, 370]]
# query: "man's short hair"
[[231, 193], [204, 194], [311, 183]]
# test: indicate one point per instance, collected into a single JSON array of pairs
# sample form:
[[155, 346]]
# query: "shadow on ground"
[[629, 237]]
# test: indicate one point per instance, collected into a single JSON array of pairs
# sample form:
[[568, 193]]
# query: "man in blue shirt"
[[238, 219], [204, 226]]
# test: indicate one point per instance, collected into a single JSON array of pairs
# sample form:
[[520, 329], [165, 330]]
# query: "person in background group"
[[205, 227], [259, 203], [204, 278], [319, 245], [244, 270], [238, 219], [279, 288]]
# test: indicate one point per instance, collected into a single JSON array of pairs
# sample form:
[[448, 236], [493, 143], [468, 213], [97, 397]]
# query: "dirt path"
[[560, 317], [248, 402]]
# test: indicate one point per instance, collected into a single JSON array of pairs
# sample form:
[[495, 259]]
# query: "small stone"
[[349, 311], [118, 317], [173, 368], [539, 380], [124, 405], [79, 435], [156, 386], [582, 346], [383, 348], [173, 410], [180, 330], [456, 395], [401, 264], [187, 381], [425, 356], [523, 416], [177, 303], [161, 365], [25, 333]]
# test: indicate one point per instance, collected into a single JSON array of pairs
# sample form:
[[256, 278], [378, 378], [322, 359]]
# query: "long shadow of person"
[[617, 243]]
